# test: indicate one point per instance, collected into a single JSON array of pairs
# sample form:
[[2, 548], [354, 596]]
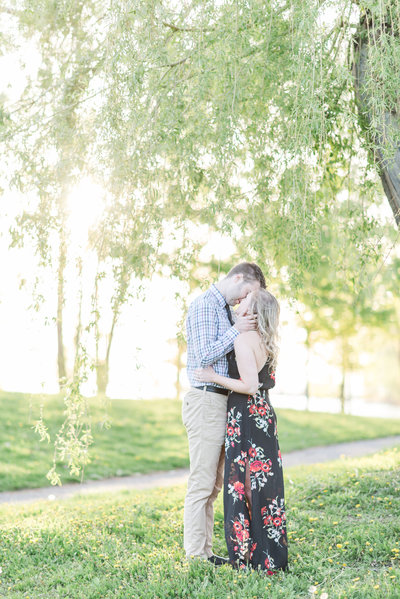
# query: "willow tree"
[[227, 113], [333, 306], [235, 113], [54, 137], [230, 114], [50, 138], [48, 132]]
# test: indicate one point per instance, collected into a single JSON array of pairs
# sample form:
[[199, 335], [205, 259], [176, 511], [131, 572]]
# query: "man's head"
[[240, 280]]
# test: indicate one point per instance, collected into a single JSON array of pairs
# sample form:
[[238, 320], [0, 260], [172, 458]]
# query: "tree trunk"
[[345, 367], [307, 389], [179, 367], [342, 391], [62, 259], [101, 376], [389, 169], [79, 323], [103, 366]]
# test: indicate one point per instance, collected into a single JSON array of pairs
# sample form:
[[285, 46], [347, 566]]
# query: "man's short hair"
[[250, 272]]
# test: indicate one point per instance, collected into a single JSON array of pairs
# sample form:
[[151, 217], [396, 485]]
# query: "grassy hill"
[[343, 529], [144, 436]]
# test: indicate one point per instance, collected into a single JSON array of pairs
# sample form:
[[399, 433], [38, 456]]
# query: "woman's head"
[[266, 306]]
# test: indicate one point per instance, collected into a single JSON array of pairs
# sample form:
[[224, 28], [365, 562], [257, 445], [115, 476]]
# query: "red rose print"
[[265, 467], [237, 526], [230, 431], [252, 452], [239, 487], [262, 411], [255, 466], [277, 521]]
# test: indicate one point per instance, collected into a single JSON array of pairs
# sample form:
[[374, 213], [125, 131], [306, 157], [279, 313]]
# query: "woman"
[[254, 507]]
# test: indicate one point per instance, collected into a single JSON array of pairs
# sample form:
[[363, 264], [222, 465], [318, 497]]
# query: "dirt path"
[[312, 455]]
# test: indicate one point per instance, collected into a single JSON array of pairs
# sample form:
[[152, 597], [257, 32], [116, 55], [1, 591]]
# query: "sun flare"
[[85, 206]]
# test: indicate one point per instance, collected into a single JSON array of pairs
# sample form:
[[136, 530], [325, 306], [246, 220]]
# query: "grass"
[[145, 436], [343, 529]]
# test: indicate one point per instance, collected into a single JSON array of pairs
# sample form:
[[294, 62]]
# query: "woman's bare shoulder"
[[250, 338]]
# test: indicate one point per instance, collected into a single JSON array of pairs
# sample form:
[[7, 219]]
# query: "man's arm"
[[203, 326]]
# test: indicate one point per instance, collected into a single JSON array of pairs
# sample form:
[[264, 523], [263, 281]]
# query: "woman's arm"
[[247, 366]]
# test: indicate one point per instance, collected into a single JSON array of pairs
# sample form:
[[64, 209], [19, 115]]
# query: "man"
[[210, 336]]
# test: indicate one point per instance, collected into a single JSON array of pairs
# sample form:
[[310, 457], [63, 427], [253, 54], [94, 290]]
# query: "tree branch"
[[176, 28]]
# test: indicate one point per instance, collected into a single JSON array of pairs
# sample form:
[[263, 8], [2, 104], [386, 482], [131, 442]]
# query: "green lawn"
[[145, 436], [343, 529]]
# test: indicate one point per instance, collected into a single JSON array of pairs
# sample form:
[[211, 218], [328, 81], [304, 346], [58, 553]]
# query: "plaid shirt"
[[210, 335]]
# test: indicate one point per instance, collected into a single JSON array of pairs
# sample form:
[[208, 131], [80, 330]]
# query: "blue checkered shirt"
[[210, 335]]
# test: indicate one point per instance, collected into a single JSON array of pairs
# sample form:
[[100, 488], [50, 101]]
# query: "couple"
[[231, 425]]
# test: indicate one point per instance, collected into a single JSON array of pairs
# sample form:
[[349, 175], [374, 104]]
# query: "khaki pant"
[[204, 416]]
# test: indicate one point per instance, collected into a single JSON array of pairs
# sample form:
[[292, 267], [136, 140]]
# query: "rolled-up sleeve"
[[202, 327]]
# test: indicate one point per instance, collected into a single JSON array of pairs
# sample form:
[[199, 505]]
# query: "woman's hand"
[[205, 375], [244, 305]]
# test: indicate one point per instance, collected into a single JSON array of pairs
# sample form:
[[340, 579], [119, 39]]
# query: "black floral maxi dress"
[[257, 537]]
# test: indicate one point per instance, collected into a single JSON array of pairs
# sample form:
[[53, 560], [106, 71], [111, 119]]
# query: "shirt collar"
[[218, 295]]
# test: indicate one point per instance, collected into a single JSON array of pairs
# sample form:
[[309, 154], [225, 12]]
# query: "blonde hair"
[[266, 306]]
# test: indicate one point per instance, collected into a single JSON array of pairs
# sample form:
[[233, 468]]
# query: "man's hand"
[[246, 323], [205, 375]]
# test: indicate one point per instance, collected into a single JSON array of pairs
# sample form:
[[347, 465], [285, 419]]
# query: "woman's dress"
[[255, 537]]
